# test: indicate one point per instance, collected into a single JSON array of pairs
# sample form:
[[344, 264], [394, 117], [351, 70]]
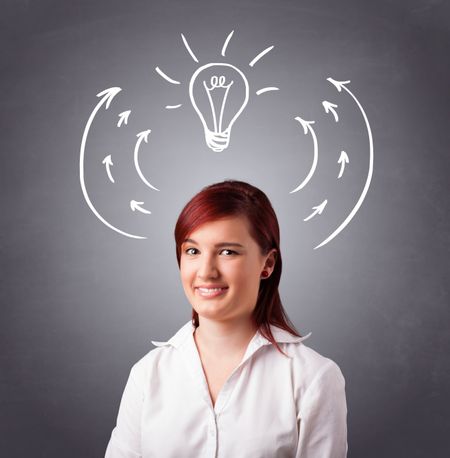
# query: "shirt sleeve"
[[323, 416], [125, 441]]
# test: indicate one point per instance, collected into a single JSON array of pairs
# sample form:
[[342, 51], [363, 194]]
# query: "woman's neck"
[[224, 339]]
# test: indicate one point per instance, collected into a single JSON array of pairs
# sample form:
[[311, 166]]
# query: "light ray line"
[[224, 48], [186, 44], [266, 89], [172, 107], [167, 78], [261, 54]]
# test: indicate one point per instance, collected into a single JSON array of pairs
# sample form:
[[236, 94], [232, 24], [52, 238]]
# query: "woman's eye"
[[192, 251], [230, 251]]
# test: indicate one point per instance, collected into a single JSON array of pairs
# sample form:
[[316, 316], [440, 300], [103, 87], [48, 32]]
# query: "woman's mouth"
[[210, 292]]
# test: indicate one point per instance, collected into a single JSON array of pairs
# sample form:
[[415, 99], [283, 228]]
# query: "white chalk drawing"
[[218, 92], [317, 210], [186, 44], [261, 54], [135, 205], [343, 159], [330, 107], [141, 136], [167, 78], [266, 89], [106, 98], [108, 163], [209, 92], [225, 45], [339, 86], [123, 118], [307, 127]]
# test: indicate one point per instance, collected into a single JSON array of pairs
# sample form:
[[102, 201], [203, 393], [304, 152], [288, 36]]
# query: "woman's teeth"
[[207, 292]]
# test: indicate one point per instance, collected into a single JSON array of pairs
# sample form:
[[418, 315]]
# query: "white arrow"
[[343, 159], [108, 163], [141, 136], [107, 96], [307, 127], [136, 206], [330, 107], [317, 210], [339, 86], [123, 118]]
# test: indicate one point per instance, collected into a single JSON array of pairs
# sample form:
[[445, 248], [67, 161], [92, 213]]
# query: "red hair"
[[237, 198]]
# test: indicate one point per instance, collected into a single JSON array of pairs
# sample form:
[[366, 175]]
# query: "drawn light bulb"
[[219, 94]]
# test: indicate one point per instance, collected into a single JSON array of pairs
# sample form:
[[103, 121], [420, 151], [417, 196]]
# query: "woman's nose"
[[207, 268]]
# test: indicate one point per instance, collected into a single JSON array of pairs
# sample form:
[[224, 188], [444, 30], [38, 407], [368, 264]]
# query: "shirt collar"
[[279, 334]]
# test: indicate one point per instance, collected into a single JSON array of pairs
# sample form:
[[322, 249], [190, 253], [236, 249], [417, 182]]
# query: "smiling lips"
[[210, 292]]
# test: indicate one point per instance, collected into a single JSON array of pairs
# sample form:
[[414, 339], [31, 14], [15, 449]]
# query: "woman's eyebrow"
[[217, 245]]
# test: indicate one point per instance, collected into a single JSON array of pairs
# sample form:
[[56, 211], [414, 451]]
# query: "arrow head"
[[338, 84], [108, 95], [305, 124], [328, 106], [123, 117], [108, 160], [134, 204], [320, 207], [343, 157], [144, 134]]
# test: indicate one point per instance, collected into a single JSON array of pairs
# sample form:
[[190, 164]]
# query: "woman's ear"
[[271, 259]]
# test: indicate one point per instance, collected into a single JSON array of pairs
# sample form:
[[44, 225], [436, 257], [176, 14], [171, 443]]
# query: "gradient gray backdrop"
[[80, 303]]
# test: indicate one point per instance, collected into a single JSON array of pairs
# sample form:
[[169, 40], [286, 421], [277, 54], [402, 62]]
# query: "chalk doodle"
[[210, 100], [106, 98], [219, 93], [339, 85], [307, 127]]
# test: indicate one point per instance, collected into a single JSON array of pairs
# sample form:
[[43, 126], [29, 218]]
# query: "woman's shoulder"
[[145, 365], [313, 367], [308, 364], [312, 363], [162, 354]]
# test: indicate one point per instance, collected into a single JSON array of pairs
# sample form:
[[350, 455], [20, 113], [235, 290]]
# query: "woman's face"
[[221, 267]]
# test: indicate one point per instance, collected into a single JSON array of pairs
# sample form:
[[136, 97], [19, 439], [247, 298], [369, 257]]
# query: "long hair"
[[237, 198]]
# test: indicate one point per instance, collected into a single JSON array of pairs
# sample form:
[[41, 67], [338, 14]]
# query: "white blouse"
[[270, 406]]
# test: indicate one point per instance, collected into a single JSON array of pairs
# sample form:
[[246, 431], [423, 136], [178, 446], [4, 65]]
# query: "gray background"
[[80, 303]]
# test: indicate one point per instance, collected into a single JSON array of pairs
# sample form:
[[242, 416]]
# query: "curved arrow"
[[108, 163], [307, 126], [123, 117], [330, 107], [317, 210], [135, 205], [141, 136], [339, 86], [343, 159], [107, 96]]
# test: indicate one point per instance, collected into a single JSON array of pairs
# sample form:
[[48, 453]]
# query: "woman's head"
[[243, 212], [221, 267]]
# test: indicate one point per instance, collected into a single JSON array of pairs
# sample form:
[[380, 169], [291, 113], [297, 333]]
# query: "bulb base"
[[217, 141]]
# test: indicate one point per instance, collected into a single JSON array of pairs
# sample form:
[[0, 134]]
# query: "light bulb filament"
[[217, 82]]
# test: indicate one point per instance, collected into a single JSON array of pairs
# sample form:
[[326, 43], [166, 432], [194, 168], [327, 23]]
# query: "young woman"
[[236, 381]]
